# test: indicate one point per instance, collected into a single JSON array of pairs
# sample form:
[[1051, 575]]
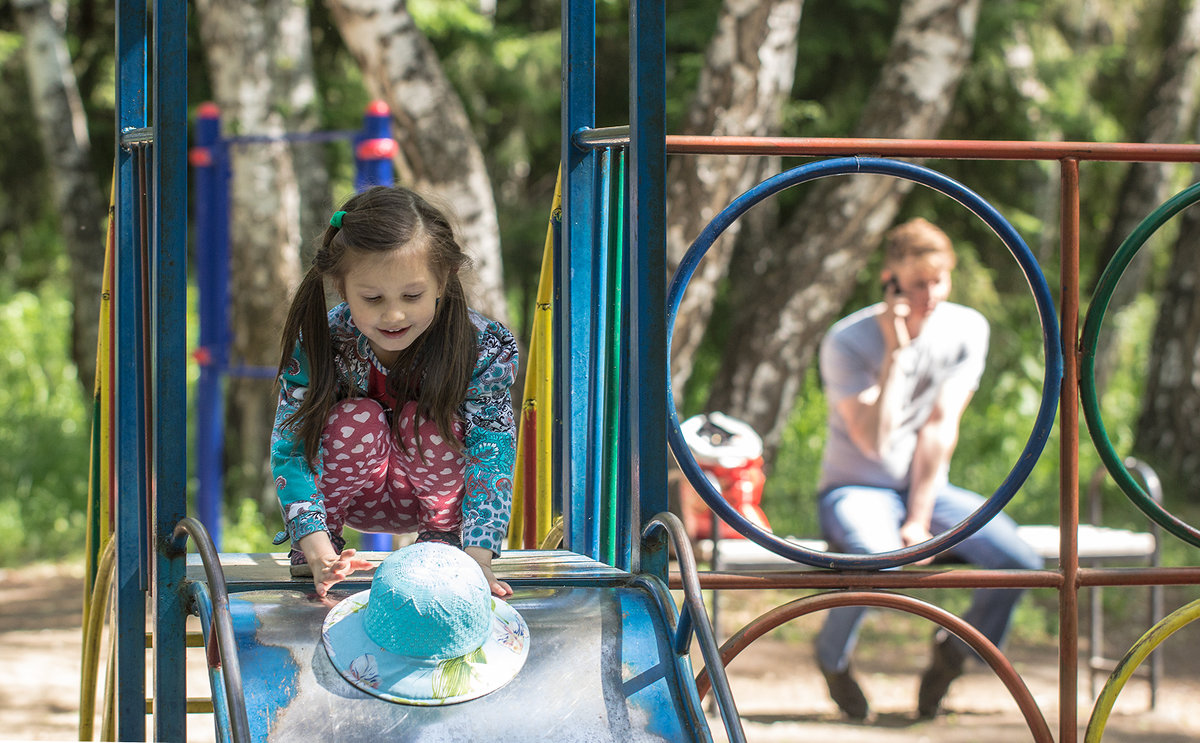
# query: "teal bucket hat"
[[428, 631]]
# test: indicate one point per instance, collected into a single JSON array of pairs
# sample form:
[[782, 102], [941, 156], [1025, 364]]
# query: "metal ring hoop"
[[1089, 397], [1050, 385], [1146, 644], [962, 629]]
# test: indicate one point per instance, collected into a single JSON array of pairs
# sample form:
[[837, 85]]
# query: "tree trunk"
[[439, 154], [1169, 425], [77, 197], [1021, 61], [749, 68], [1146, 185], [260, 63], [801, 281]]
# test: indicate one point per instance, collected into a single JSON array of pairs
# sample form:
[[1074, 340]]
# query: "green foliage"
[[1091, 65], [245, 530], [840, 48], [46, 431], [790, 493]]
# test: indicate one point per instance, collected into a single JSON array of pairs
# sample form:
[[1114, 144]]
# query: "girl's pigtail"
[[307, 324]]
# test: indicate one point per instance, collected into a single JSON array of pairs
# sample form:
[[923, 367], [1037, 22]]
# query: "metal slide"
[[600, 668]]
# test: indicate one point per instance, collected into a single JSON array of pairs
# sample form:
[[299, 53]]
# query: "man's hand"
[[893, 321], [915, 532], [483, 556], [328, 567]]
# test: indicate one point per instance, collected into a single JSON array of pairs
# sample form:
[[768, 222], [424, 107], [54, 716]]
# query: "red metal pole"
[[1068, 428], [877, 579], [934, 148]]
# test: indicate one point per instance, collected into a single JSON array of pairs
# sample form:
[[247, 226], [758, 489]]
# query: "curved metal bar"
[[698, 620], [203, 607], [1050, 386], [667, 606], [1089, 338], [222, 626], [683, 630], [965, 632], [93, 627], [1154, 637]]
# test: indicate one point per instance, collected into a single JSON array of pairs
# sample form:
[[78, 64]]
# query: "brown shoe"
[[946, 666], [846, 692]]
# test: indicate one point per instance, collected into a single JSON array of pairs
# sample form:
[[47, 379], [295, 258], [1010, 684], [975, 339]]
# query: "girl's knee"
[[356, 418], [359, 411], [426, 428], [356, 439]]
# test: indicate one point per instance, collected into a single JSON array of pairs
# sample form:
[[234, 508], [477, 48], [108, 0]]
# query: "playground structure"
[[609, 657], [210, 162]]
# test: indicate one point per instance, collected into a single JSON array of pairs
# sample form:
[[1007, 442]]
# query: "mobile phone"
[[891, 286]]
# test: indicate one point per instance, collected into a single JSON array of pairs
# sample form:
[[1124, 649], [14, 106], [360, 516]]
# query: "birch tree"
[[793, 287], [1169, 423], [748, 71], [438, 154], [259, 58], [1171, 108], [77, 197]]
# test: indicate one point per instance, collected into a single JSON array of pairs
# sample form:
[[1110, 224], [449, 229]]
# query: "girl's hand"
[[330, 572], [328, 567], [483, 556]]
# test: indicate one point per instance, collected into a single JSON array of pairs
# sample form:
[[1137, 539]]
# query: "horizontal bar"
[[889, 579], [293, 137], [600, 137], [956, 578], [1139, 576], [958, 149], [136, 136], [194, 706]]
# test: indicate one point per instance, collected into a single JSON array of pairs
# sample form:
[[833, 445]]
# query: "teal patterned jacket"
[[489, 435]]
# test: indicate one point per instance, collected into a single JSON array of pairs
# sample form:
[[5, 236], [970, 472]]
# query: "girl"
[[394, 410]]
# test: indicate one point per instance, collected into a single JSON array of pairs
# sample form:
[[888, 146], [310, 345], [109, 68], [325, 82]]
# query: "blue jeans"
[[863, 520]]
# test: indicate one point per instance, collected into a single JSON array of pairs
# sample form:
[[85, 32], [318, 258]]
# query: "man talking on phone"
[[898, 376]]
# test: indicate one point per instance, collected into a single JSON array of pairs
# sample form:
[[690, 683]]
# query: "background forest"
[[473, 88]]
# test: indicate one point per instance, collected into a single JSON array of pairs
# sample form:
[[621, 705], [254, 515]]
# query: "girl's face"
[[392, 298]]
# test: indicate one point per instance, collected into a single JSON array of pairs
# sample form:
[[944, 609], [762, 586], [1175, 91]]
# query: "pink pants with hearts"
[[373, 484]]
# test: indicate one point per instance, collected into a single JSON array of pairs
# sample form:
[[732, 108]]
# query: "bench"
[[1096, 545]]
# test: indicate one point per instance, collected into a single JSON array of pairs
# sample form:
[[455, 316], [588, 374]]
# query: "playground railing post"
[[374, 149], [210, 177]]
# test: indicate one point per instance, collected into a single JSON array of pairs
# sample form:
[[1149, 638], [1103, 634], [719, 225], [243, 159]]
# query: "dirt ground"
[[779, 693]]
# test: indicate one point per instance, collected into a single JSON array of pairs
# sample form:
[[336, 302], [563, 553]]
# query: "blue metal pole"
[[131, 28], [597, 394], [207, 161], [626, 536], [648, 359], [169, 276], [374, 148], [219, 317], [573, 271]]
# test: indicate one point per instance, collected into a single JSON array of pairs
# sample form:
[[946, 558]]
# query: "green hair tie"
[[336, 219]]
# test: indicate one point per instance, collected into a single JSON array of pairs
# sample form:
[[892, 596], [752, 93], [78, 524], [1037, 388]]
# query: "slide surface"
[[600, 666]]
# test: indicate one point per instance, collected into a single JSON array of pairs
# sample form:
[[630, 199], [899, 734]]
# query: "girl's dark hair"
[[436, 369]]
